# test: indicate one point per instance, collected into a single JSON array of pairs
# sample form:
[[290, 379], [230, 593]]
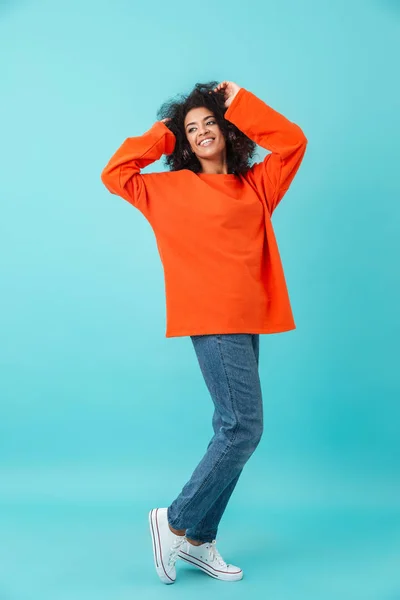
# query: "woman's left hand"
[[230, 90]]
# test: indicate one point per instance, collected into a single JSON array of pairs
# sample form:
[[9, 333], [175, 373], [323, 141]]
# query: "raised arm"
[[121, 175], [271, 130]]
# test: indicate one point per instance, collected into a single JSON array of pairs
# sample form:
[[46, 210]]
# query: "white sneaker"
[[166, 545], [207, 558]]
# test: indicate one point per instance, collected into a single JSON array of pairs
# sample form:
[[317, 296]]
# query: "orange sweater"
[[222, 269]]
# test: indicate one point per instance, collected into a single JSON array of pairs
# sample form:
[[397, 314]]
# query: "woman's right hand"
[[166, 120]]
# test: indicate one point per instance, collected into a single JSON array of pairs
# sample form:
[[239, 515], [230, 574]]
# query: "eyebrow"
[[194, 122]]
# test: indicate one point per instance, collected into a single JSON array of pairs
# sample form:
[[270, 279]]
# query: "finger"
[[221, 85]]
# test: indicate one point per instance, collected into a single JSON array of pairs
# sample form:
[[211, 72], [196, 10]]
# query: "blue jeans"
[[229, 364]]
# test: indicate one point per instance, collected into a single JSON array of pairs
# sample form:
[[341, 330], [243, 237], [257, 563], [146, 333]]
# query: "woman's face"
[[200, 125]]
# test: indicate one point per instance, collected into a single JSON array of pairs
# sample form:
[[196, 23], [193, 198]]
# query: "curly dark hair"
[[239, 148]]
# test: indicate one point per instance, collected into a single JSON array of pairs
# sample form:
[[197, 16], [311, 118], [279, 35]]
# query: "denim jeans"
[[229, 364]]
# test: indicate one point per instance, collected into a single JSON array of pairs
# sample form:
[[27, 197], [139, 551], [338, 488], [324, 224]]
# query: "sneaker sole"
[[222, 577], [158, 562]]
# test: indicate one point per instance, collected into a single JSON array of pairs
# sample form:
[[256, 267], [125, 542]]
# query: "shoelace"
[[216, 555], [176, 546]]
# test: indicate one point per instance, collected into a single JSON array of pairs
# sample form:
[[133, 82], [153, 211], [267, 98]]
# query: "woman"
[[224, 281]]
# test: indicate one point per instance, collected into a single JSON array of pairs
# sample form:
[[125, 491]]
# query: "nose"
[[203, 129]]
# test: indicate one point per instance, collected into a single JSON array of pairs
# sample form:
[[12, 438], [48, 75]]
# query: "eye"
[[208, 122]]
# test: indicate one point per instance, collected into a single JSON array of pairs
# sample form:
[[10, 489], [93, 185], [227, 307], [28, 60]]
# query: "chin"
[[216, 152]]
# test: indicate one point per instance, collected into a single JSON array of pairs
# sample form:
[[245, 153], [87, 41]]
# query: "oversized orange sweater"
[[222, 268]]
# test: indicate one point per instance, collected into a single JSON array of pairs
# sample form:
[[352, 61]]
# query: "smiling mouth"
[[206, 142]]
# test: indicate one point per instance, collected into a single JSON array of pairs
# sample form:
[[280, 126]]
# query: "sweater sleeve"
[[122, 176], [271, 130]]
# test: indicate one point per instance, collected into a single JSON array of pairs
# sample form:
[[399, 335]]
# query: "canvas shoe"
[[166, 545], [207, 558]]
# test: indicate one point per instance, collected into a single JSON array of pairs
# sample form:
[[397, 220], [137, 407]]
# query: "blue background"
[[102, 417]]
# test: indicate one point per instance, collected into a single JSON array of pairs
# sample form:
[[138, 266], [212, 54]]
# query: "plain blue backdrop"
[[102, 417]]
